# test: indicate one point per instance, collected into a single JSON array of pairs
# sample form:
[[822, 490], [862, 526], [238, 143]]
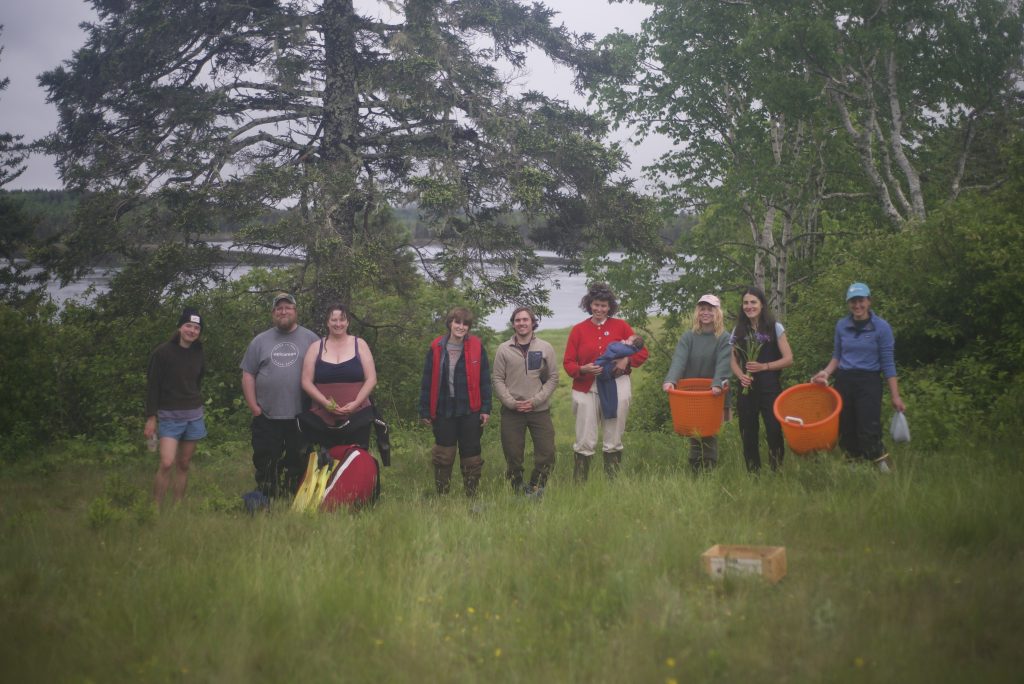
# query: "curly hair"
[[601, 292]]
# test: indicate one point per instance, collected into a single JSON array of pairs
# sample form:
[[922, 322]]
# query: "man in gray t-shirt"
[[272, 385]]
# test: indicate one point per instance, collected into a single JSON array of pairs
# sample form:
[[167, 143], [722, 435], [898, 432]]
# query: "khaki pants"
[[513, 442], [587, 408]]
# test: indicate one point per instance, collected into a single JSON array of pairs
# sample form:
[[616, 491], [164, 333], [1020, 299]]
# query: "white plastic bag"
[[898, 428]]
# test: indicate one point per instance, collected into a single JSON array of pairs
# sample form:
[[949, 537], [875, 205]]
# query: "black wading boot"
[[612, 462], [581, 468]]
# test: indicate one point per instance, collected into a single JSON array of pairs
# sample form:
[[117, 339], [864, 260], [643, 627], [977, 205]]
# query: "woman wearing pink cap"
[[703, 352]]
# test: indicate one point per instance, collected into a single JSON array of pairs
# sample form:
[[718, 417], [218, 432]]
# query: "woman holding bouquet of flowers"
[[759, 351]]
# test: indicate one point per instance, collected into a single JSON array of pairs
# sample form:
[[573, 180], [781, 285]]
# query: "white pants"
[[586, 406]]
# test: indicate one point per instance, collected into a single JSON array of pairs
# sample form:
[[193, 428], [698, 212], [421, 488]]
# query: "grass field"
[[913, 577]]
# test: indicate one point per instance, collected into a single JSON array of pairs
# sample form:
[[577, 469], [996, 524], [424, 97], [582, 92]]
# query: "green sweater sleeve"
[[679, 358], [722, 368]]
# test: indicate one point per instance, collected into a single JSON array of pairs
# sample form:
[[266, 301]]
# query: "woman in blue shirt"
[[863, 352]]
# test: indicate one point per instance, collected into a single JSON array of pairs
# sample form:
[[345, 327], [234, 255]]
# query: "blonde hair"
[[719, 320]]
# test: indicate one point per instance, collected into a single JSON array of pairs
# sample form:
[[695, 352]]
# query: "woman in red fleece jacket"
[[587, 341]]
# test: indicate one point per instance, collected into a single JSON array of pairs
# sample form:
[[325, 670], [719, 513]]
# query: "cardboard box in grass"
[[736, 559]]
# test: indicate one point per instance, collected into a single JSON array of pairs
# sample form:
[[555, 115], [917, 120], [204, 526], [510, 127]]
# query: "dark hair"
[[765, 320], [533, 316], [602, 293], [337, 306], [459, 313]]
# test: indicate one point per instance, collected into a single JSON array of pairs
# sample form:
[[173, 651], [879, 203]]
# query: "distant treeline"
[[52, 211]]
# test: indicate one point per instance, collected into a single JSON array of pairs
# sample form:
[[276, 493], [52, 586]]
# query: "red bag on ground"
[[356, 480]]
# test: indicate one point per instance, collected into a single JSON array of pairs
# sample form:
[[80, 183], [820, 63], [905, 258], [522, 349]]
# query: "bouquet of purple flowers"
[[750, 347]]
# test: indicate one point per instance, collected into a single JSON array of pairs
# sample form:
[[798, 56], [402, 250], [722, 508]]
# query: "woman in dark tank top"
[[340, 358], [759, 378], [346, 371]]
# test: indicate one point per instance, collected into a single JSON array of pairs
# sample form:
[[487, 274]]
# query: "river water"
[[565, 291]]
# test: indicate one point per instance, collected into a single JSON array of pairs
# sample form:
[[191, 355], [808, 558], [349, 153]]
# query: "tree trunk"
[[339, 195]]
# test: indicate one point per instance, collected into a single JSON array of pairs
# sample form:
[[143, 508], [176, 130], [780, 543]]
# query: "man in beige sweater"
[[525, 376]]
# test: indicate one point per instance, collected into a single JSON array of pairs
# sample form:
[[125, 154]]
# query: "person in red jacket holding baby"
[[587, 341]]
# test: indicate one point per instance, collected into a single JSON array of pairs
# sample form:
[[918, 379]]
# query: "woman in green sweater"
[[703, 352]]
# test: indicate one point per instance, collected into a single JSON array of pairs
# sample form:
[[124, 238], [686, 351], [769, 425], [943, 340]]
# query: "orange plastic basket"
[[696, 412], [809, 415]]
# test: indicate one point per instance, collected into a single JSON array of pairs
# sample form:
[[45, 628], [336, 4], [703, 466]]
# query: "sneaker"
[[883, 464]]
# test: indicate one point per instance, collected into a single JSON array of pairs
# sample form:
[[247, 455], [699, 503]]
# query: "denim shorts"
[[183, 430]]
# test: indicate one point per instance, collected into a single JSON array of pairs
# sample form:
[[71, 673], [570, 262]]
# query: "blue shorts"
[[183, 430]]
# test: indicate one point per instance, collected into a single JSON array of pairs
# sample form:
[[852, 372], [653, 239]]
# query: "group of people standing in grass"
[[287, 367], [755, 352]]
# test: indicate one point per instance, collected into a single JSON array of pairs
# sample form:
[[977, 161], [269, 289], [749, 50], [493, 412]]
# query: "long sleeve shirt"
[[174, 378], [872, 347], [587, 341], [701, 355], [520, 376]]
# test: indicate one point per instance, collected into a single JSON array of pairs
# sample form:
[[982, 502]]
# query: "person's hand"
[[756, 366], [746, 380], [621, 367], [150, 429], [484, 417], [667, 386], [256, 412], [524, 406], [898, 405], [590, 369], [820, 378], [425, 421], [347, 409], [715, 391]]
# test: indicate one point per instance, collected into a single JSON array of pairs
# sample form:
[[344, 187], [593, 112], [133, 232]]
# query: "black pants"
[[753, 404], [465, 431], [860, 423], [278, 449]]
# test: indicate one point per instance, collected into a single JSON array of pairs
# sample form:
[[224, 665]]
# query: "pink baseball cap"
[[710, 299]]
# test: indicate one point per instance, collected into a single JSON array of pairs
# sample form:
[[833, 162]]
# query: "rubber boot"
[[581, 468], [538, 480], [443, 478], [539, 477], [612, 461], [443, 458], [472, 469]]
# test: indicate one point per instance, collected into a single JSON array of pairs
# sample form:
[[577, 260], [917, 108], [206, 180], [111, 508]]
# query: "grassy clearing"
[[914, 577]]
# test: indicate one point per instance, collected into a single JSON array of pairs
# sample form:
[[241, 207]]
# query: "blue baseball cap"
[[857, 290]]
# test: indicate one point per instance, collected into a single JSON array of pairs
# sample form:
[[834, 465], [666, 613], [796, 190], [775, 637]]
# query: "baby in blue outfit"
[[606, 390]]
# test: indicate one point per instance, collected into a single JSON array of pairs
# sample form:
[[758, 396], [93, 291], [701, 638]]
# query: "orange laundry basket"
[[696, 412], [809, 415]]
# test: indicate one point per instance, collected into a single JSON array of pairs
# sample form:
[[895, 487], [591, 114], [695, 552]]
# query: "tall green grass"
[[912, 577]]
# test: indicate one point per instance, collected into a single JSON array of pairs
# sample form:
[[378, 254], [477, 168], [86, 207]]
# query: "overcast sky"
[[39, 34]]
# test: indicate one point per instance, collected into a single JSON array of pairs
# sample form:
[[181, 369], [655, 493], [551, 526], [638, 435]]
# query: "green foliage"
[[950, 287], [30, 396]]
